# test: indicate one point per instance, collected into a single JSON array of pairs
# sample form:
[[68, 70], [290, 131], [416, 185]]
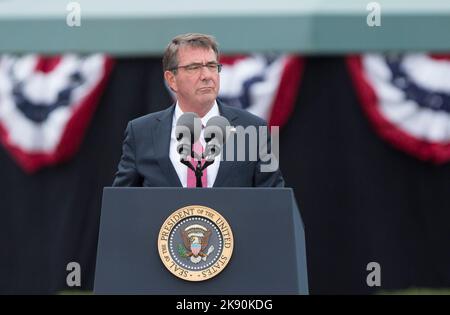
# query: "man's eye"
[[212, 66], [193, 67]]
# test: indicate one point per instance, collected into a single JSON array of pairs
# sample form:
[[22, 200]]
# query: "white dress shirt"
[[180, 168]]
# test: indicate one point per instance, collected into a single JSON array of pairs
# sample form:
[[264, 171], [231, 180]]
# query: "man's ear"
[[170, 79]]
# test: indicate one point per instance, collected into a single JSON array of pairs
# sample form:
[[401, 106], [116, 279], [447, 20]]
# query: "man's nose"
[[205, 73]]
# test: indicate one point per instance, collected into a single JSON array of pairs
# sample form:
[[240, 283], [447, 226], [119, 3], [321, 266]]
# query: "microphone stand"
[[198, 170]]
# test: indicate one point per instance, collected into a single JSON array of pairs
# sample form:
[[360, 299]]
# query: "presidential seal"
[[195, 243]]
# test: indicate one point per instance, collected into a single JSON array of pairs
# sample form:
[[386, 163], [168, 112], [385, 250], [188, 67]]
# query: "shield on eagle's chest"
[[195, 248]]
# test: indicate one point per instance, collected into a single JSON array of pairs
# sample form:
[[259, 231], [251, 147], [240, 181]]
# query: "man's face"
[[195, 88]]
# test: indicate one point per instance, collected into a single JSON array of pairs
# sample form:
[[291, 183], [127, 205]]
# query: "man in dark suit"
[[150, 158]]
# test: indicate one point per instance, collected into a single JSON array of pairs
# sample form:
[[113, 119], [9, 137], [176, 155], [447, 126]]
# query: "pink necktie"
[[191, 179]]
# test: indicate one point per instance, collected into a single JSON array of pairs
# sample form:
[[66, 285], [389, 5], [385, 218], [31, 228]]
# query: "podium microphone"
[[215, 136], [187, 132]]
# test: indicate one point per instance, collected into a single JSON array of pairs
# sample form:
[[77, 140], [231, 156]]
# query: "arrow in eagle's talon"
[[210, 249]]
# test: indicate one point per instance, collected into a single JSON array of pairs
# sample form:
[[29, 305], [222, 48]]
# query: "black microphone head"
[[188, 125], [216, 127]]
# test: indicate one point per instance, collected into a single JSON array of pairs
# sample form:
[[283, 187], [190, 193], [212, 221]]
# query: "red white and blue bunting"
[[407, 99], [46, 105], [264, 85]]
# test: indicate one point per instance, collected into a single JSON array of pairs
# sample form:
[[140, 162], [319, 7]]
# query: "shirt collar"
[[214, 111]]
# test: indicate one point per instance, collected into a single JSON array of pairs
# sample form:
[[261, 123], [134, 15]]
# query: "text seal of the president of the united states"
[[195, 243]]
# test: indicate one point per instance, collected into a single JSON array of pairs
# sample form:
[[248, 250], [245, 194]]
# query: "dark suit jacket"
[[145, 158]]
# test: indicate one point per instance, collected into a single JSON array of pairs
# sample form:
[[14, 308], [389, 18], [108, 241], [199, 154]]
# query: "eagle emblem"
[[195, 241]]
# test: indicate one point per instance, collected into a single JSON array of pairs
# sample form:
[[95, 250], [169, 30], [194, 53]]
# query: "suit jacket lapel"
[[225, 166], [161, 141]]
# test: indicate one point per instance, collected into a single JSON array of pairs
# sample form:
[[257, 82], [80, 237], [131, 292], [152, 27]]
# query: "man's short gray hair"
[[170, 58]]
